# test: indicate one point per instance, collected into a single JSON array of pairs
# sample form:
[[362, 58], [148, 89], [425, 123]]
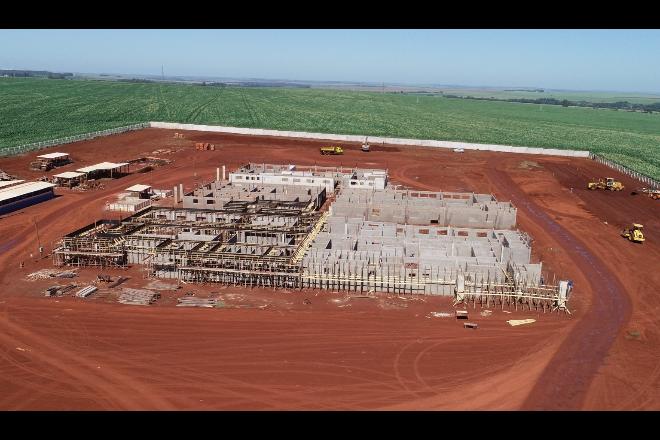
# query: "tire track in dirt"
[[80, 369], [567, 377]]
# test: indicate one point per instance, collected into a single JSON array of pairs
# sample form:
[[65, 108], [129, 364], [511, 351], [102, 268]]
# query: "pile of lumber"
[[59, 290], [190, 301], [138, 297], [51, 273]]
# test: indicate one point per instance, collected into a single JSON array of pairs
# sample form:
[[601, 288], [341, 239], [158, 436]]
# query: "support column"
[[223, 173], [217, 174]]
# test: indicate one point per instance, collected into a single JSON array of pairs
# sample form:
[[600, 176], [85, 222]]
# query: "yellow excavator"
[[610, 184], [634, 234]]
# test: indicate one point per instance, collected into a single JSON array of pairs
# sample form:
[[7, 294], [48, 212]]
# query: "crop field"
[[33, 110], [636, 98]]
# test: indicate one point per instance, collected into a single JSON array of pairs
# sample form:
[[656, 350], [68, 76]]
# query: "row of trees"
[[619, 105]]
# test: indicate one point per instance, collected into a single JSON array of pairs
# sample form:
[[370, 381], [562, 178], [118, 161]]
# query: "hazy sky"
[[618, 60]]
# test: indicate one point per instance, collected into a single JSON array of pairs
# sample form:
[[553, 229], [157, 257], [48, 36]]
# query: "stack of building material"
[[189, 301], [138, 297], [86, 291], [51, 273], [59, 290], [201, 146]]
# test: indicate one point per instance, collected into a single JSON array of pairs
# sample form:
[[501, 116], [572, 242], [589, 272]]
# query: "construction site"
[[261, 273], [273, 226]]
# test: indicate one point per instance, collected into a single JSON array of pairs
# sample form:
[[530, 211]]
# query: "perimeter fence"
[[20, 149]]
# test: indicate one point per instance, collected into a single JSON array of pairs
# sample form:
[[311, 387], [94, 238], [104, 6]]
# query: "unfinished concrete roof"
[[68, 175], [138, 188], [102, 166], [53, 155], [23, 189]]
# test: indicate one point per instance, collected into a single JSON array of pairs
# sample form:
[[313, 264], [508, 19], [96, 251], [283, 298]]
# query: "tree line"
[[618, 105]]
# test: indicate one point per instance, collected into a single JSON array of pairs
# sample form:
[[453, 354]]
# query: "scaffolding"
[[297, 244]]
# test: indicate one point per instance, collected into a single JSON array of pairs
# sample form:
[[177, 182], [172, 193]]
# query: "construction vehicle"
[[365, 146], [332, 150], [650, 192], [634, 234], [610, 184]]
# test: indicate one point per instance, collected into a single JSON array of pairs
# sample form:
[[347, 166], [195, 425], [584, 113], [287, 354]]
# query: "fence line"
[[652, 183], [649, 181], [10, 151], [374, 140]]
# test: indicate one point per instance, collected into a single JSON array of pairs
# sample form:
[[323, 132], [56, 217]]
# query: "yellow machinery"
[[634, 234], [332, 150], [652, 193], [610, 184]]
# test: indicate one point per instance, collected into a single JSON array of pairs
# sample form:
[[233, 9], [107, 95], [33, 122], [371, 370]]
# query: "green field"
[[635, 98], [32, 110]]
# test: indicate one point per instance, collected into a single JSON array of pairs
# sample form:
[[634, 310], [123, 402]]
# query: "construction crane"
[[634, 234], [610, 184]]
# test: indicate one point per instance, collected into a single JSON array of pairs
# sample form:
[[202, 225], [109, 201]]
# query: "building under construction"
[[271, 226]]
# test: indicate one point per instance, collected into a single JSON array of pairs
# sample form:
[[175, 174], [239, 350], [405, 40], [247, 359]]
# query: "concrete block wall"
[[401, 206], [372, 139], [353, 245]]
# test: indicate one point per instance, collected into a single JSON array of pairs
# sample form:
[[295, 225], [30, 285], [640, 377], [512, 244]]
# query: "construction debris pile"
[[51, 273]]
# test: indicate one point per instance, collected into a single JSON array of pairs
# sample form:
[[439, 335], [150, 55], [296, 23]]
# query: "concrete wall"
[[372, 139]]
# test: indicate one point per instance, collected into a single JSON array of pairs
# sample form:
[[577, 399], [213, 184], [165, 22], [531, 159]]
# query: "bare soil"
[[323, 350]]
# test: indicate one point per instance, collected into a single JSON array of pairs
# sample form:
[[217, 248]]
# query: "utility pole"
[[41, 249]]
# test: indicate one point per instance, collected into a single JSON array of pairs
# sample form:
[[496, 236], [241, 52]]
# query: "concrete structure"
[[140, 191], [129, 204], [219, 195], [426, 208], [316, 176], [23, 195], [258, 233], [373, 139]]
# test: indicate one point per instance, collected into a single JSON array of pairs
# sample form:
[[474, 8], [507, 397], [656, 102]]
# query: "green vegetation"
[[40, 109]]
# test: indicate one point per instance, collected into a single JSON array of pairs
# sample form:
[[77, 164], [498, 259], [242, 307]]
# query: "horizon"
[[201, 77], [562, 60]]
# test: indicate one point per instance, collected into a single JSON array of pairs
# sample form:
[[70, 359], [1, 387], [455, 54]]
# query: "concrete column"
[[223, 172], [180, 192], [175, 195], [217, 174]]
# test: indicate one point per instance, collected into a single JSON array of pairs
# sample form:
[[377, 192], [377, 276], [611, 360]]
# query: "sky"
[[616, 60]]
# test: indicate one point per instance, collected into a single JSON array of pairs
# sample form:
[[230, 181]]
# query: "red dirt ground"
[[335, 353]]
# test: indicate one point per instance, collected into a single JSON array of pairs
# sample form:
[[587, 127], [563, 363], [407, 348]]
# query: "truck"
[[332, 150]]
